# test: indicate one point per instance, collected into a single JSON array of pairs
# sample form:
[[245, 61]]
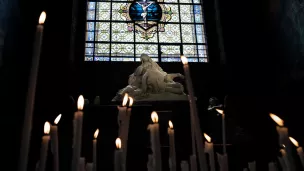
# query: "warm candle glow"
[[277, 120], [207, 137], [125, 99], [118, 143], [96, 133], [184, 59], [130, 101], [295, 142], [154, 117], [170, 125], [80, 102], [220, 111], [42, 17], [57, 119], [47, 127]]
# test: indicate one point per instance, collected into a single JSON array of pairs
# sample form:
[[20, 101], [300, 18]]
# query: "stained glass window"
[[122, 30]]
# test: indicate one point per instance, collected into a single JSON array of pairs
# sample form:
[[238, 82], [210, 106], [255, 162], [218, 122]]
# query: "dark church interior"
[[261, 72]]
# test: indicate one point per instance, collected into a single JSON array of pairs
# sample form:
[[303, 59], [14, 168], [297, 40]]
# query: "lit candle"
[[118, 155], [78, 119], [95, 150], [150, 163], [125, 132], [194, 116], [223, 130], [44, 146], [252, 166], [172, 159], [283, 139], [299, 150], [184, 166], [30, 99], [155, 141], [193, 164], [272, 167], [210, 151], [282, 163], [122, 112], [285, 160], [54, 143], [89, 167]]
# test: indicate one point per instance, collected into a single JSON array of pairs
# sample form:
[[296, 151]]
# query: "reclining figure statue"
[[149, 79]]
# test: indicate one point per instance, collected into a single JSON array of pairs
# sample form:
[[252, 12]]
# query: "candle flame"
[[118, 143], [80, 102], [130, 101], [96, 133], [276, 119], [47, 127], [220, 111], [207, 137], [42, 17], [184, 59], [125, 99], [295, 142], [154, 117], [57, 119], [283, 145], [170, 125]]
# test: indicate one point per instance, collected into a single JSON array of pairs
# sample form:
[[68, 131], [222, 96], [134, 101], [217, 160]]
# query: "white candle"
[[125, 132], [118, 155], [223, 130], [44, 146], [252, 166], [172, 158], [155, 142], [282, 163], [285, 159], [193, 164], [150, 163], [223, 162], [54, 143], [283, 139], [81, 164], [30, 99], [89, 167], [122, 113], [78, 119], [184, 166], [95, 150], [194, 116], [209, 150], [272, 167], [299, 150]]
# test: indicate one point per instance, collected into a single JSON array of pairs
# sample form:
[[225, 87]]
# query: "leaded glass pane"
[[200, 35], [154, 59], [90, 26], [98, 58], [198, 14], [88, 58], [171, 1], [175, 13], [120, 32], [102, 49], [176, 59], [122, 59], [188, 33], [122, 50], [170, 51], [185, 1], [138, 38], [103, 11], [171, 34], [186, 12], [152, 50], [203, 60], [190, 50], [103, 31], [202, 52], [90, 36], [117, 9]]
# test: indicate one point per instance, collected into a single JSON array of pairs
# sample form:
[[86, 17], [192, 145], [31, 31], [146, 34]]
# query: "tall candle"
[[209, 150], [223, 162], [283, 139], [155, 141], [282, 163], [30, 99], [54, 143], [184, 166], [150, 163], [89, 167], [78, 119], [285, 159], [299, 150], [194, 116], [122, 112], [193, 163], [95, 150], [118, 155], [272, 167], [252, 166], [44, 146], [223, 130], [172, 159], [125, 132], [81, 164]]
